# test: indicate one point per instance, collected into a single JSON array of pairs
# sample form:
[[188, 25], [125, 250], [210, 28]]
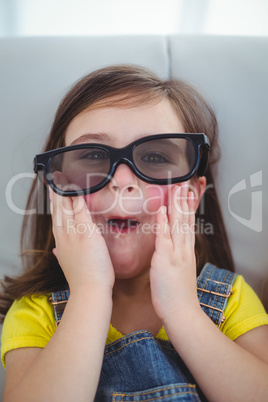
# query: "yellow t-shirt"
[[30, 321]]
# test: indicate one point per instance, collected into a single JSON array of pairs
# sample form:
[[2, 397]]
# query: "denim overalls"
[[140, 367]]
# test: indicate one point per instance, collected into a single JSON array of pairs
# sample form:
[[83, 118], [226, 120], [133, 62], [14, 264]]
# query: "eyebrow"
[[99, 137]]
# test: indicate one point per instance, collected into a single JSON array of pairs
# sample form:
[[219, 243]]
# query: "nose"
[[123, 179]]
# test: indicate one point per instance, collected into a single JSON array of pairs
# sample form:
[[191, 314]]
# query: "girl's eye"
[[155, 158], [95, 155]]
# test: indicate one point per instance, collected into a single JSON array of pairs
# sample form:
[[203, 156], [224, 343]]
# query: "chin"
[[131, 256], [124, 267], [127, 274], [129, 267]]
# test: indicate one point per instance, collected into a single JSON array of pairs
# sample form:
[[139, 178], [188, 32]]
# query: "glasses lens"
[[165, 158], [79, 169]]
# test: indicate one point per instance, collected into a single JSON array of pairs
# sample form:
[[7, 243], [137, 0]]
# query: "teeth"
[[122, 223]]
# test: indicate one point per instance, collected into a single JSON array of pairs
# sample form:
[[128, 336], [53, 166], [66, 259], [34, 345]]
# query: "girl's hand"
[[80, 247], [173, 266]]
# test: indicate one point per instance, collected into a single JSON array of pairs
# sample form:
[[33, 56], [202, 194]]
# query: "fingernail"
[[191, 194], [178, 190]]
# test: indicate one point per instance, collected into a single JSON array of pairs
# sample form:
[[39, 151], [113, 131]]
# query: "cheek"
[[155, 197], [101, 202]]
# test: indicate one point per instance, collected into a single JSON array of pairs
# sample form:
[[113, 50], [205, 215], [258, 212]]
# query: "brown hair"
[[122, 85]]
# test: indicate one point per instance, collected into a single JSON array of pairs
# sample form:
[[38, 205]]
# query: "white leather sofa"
[[232, 72]]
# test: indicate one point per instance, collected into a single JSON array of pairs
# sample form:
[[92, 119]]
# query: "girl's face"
[[125, 210]]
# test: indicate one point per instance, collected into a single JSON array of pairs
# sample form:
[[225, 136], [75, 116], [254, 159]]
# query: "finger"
[[62, 210], [50, 200], [55, 252], [60, 180], [178, 204], [179, 214], [175, 213], [83, 217], [190, 237], [163, 236], [80, 210], [174, 203], [187, 207], [191, 207], [55, 211], [184, 202]]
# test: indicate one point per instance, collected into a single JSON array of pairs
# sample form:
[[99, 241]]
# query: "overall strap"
[[59, 300], [214, 287]]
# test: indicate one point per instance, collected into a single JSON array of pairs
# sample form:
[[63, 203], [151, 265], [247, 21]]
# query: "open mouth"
[[123, 225]]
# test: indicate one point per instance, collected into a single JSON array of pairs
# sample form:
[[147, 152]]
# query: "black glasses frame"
[[125, 155]]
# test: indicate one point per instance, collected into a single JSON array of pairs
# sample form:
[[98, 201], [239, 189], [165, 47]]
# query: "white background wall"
[[115, 17]]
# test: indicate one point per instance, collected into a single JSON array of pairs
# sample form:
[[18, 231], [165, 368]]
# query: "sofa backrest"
[[231, 72]]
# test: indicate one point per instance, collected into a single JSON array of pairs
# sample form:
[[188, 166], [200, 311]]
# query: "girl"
[[115, 269]]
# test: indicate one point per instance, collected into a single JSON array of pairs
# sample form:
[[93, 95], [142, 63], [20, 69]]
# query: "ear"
[[198, 186]]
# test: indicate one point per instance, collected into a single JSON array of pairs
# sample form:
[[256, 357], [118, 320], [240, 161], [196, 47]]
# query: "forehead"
[[119, 125]]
